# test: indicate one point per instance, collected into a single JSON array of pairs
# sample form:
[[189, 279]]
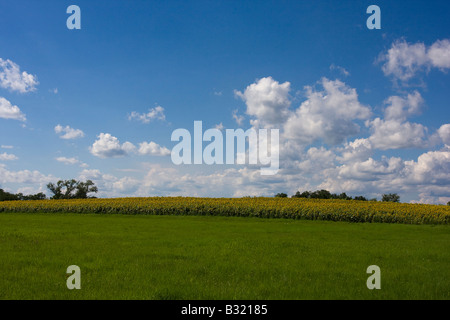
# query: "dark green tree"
[[321, 194], [84, 188], [71, 189], [344, 196], [6, 196], [390, 197], [281, 195]]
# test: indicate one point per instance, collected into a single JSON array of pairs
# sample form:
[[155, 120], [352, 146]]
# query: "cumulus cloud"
[[357, 150], [110, 185], [23, 176], [9, 111], [444, 133], [71, 161], [154, 113], [108, 146], [67, 160], [394, 132], [431, 168], [370, 168], [399, 108], [439, 54], [68, 132], [7, 157], [404, 60], [152, 148], [15, 80], [316, 160], [267, 100], [327, 114]]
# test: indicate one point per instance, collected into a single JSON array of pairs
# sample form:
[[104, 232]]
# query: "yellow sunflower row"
[[291, 208]]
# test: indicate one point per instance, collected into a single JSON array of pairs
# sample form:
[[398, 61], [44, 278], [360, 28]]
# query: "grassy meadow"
[[215, 257]]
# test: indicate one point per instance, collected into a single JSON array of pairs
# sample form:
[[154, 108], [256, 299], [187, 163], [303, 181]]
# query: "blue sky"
[[366, 110]]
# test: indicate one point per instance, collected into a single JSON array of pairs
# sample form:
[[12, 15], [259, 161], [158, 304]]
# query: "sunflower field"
[[289, 208]]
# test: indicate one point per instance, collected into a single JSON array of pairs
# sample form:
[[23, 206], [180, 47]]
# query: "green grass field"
[[194, 257]]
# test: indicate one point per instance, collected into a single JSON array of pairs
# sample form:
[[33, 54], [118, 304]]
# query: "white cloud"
[[370, 168], [23, 176], [110, 185], [444, 133], [403, 60], [90, 174], [340, 69], [357, 150], [316, 160], [238, 118], [219, 126], [152, 148], [267, 100], [8, 111], [154, 113], [71, 161], [439, 54], [12, 78], [6, 147], [432, 168], [69, 133], [108, 146], [401, 108], [327, 114], [392, 134], [7, 157]]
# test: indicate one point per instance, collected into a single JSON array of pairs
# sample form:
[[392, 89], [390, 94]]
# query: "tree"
[[360, 198], [37, 196], [83, 188], [344, 196], [448, 203], [6, 196], [55, 189], [71, 189], [281, 195], [390, 197], [296, 195], [321, 194]]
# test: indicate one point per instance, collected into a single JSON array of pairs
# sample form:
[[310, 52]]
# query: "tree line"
[[63, 189], [325, 194], [7, 196]]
